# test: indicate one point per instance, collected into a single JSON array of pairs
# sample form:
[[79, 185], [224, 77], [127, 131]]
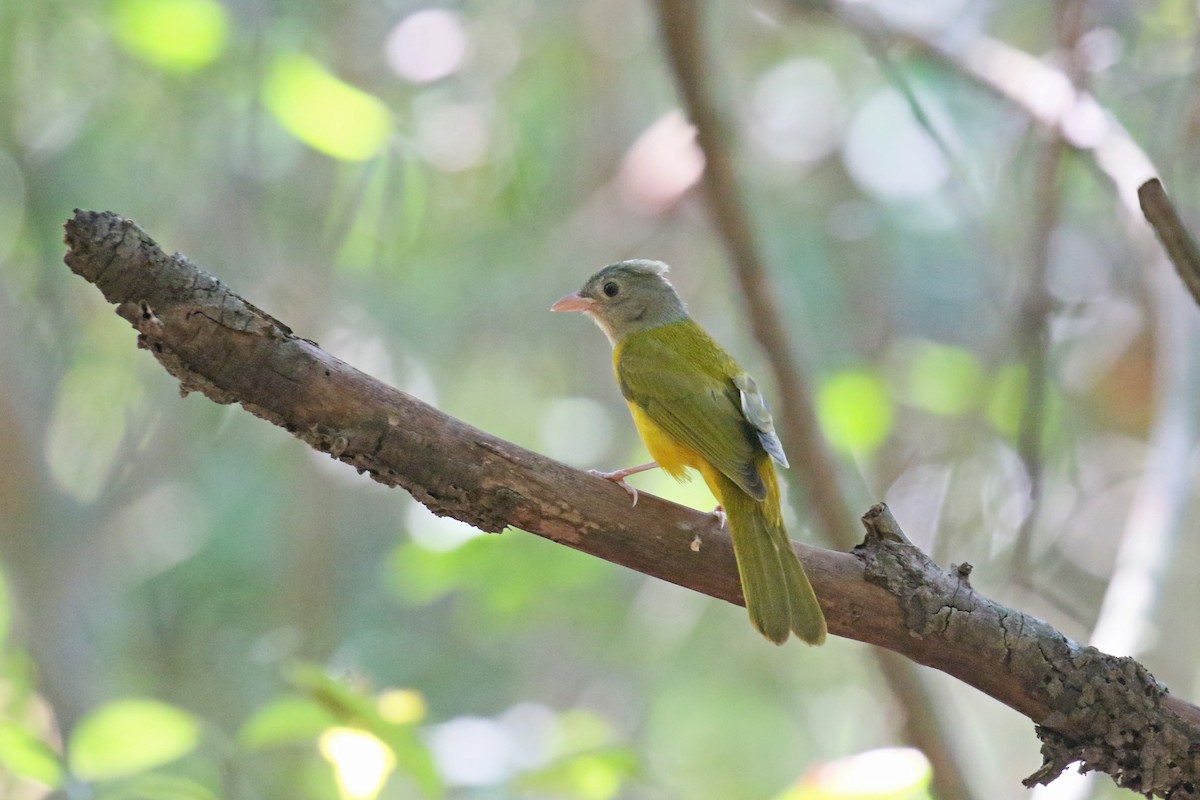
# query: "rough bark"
[[1108, 712]]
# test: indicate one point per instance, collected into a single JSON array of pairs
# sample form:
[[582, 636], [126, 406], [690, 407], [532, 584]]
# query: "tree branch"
[[1108, 711], [1036, 309], [1176, 239]]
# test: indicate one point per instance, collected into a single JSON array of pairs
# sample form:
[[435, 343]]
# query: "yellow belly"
[[673, 457]]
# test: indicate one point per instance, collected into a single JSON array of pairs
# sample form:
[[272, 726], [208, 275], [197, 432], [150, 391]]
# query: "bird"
[[696, 408]]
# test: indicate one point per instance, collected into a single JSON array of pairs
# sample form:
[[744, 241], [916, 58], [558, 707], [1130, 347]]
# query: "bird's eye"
[[611, 289]]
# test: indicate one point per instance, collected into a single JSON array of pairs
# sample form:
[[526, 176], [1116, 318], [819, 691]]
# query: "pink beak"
[[573, 302]]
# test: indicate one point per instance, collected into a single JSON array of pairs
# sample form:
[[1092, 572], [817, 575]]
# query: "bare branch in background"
[[1108, 712], [1033, 345], [1176, 239], [1037, 306]]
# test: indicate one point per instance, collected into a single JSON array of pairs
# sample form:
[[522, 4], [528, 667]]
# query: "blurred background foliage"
[[196, 606]]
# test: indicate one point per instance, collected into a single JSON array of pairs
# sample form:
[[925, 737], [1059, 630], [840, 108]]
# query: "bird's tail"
[[778, 595]]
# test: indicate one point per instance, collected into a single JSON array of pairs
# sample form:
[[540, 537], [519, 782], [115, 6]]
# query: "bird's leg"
[[618, 477], [719, 513]]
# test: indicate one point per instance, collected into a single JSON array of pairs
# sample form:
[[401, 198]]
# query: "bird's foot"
[[618, 477]]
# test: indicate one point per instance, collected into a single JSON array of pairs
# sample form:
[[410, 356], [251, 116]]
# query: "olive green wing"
[[685, 383]]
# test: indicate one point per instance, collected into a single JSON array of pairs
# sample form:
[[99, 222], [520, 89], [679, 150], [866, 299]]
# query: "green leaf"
[[593, 775], [286, 720], [412, 756], [324, 112], [590, 768], [28, 757], [582, 731], [1008, 404], [174, 35], [354, 707], [943, 379], [129, 736], [361, 762], [345, 702], [855, 410], [1007, 401], [158, 787]]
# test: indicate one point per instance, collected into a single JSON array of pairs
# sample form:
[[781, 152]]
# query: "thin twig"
[[1033, 345], [1033, 339], [1175, 237]]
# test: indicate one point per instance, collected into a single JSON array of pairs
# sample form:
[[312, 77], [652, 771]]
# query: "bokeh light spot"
[[401, 706], [453, 137], [943, 379], [889, 773], [797, 111], [855, 410], [661, 164], [325, 112], [888, 154], [426, 45], [473, 751], [361, 762], [174, 35], [1006, 403]]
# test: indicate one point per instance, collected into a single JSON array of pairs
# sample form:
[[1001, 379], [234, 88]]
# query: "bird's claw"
[[719, 513], [617, 477]]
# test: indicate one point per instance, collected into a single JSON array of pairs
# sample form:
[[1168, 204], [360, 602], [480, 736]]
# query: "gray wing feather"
[[756, 412]]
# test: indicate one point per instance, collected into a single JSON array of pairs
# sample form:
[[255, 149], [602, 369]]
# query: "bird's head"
[[627, 297]]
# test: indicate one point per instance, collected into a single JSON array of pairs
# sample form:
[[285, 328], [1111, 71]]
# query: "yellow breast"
[[673, 457]]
